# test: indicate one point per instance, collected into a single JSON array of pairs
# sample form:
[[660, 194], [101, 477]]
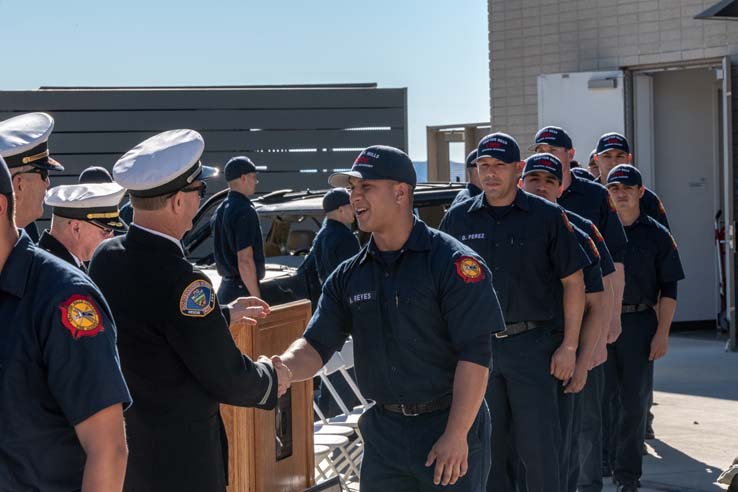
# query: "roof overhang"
[[723, 10]]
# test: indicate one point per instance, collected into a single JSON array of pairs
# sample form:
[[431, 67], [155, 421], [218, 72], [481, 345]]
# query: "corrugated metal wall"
[[300, 133]]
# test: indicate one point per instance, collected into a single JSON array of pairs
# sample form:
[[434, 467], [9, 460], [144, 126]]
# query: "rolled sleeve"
[[330, 325], [470, 308]]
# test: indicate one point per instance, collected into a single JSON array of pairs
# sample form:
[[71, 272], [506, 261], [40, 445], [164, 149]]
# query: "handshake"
[[251, 309]]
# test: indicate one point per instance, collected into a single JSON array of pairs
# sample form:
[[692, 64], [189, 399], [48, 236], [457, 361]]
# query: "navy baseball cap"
[[625, 174], [543, 162], [95, 174], [335, 198], [612, 141], [238, 166], [583, 173], [471, 159], [378, 162], [553, 136], [499, 146], [6, 182]]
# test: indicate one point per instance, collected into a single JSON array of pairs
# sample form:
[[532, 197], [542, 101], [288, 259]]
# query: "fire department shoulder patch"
[[592, 247], [197, 300], [469, 269], [80, 316], [662, 210], [596, 234]]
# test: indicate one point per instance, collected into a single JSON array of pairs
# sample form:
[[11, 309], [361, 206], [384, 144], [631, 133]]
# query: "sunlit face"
[[498, 179], [251, 181], [374, 202], [30, 185], [564, 155], [609, 159], [543, 184], [626, 198], [191, 196], [594, 168], [346, 214]]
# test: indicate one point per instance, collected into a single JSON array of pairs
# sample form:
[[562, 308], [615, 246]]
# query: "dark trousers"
[[230, 290], [571, 424], [590, 434], [629, 379], [523, 400], [398, 446]]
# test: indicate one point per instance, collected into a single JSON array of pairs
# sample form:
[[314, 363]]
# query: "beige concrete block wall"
[[531, 37]]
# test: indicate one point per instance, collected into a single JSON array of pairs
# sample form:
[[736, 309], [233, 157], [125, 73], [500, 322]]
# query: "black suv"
[[289, 221]]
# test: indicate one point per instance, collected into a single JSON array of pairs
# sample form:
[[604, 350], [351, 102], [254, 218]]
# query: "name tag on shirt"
[[361, 297], [476, 235]]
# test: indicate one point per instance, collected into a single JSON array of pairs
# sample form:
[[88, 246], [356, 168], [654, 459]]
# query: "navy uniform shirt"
[[236, 227], [32, 231], [49, 243], [413, 315], [529, 246], [651, 260], [333, 244], [592, 272], [58, 366], [592, 201], [606, 264], [651, 205], [179, 359], [470, 191]]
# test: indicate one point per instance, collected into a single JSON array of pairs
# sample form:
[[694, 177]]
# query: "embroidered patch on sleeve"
[[197, 300], [673, 242], [469, 269], [662, 210], [81, 317], [566, 222]]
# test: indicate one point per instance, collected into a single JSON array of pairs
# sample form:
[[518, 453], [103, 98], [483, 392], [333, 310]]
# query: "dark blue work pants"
[[590, 435], [397, 448], [629, 380], [523, 400]]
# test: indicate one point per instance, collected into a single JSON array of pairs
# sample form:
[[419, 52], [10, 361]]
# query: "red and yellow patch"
[[596, 233], [662, 210], [566, 222], [469, 269], [81, 317], [673, 242], [594, 249]]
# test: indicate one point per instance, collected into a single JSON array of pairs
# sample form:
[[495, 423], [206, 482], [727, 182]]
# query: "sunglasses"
[[44, 173], [202, 189], [106, 230]]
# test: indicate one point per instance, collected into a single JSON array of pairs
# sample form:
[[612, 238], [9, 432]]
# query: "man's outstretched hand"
[[249, 309], [284, 375]]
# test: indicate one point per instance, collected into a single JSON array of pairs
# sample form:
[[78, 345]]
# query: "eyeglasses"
[[106, 230], [44, 173]]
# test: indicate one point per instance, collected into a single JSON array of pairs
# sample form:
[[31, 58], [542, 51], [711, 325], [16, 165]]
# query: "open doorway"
[[678, 127]]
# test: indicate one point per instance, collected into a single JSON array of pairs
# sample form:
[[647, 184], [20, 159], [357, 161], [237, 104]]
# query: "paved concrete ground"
[[696, 420]]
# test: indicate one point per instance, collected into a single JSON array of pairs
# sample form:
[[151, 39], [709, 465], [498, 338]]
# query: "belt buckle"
[[501, 334], [407, 414]]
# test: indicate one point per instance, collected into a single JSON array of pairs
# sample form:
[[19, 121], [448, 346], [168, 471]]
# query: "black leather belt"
[[634, 308], [512, 329], [415, 409]]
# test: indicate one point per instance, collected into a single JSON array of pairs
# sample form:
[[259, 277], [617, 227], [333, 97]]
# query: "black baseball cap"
[[625, 174], [583, 173], [378, 162], [335, 198], [471, 159], [95, 174], [237, 167], [499, 146], [612, 141], [554, 136], [543, 162], [6, 182]]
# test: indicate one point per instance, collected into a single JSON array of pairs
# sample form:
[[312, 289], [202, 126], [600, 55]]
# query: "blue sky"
[[437, 49]]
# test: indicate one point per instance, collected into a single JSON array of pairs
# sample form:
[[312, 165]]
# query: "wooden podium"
[[257, 460]]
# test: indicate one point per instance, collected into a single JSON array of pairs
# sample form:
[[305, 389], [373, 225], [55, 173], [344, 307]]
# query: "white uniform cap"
[[92, 202], [24, 141], [163, 164]]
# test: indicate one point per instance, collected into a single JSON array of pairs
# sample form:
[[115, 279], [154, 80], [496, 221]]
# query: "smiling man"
[[421, 310], [537, 265]]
